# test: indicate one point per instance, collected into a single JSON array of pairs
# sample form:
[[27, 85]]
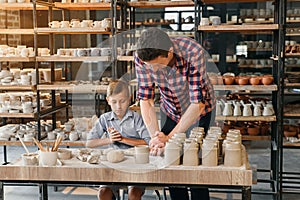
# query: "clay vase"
[[209, 154], [267, 80]]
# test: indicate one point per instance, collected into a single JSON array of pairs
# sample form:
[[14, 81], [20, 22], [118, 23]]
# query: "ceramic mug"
[[64, 24], [105, 51], [97, 24], [75, 24], [54, 24], [204, 22]]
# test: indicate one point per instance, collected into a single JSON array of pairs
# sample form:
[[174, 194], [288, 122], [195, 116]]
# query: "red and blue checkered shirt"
[[184, 83]]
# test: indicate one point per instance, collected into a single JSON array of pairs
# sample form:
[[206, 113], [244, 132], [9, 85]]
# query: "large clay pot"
[[267, 80], [228, 80]]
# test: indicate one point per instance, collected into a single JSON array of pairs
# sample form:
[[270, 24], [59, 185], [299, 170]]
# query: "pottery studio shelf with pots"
[[74, 88], [248, 31]]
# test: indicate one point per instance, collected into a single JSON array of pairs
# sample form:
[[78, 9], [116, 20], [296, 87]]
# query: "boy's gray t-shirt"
[[131, 126]]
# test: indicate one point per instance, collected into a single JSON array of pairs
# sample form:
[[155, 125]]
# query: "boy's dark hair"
[[116, 87], [153, 43]]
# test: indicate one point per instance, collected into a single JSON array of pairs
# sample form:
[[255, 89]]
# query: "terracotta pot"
[[253, 130], [236, 80], [255, 80], [228, 80], [213, 80], [220, 80], [267, 80], [289, 133], [243, 80]]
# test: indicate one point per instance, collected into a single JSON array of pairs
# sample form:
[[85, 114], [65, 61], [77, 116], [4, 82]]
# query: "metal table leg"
[[1, 191], [43, 191], [246, 193]]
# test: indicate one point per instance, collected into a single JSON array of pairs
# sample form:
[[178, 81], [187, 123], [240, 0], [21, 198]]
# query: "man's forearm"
[[188, 118], [149, 116]]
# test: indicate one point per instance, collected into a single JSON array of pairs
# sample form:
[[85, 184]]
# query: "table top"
[[127, 171]]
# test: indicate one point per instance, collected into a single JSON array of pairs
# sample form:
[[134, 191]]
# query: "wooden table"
[[127, 172]]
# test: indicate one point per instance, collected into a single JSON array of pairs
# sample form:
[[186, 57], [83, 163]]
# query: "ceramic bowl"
[[267, 80], [64, 154]]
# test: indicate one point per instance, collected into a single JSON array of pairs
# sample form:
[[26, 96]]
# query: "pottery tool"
[[57, 143], [38, 144], [23, 144]]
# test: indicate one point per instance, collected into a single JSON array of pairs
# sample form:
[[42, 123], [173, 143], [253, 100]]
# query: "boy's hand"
[[114, 135]]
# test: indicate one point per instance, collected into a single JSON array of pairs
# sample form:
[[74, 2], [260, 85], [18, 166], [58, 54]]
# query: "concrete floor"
[[259, 156]]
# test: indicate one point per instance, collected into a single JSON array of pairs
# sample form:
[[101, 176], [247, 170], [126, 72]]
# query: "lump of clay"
[[105, 151], [115, 156], [93, 159]]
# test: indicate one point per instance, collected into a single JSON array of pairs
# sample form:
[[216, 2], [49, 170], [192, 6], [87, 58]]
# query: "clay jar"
[[233, 154], [228, 80], [209, 154], [254, 80], [172, 154], [267, 79], [190, 155]]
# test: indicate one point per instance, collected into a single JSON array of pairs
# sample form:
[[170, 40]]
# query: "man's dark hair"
[[153, 43]]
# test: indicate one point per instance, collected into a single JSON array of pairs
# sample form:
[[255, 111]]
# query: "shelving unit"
[[245, 29]]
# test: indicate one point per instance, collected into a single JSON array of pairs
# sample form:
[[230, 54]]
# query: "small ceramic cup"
[[141, 154]]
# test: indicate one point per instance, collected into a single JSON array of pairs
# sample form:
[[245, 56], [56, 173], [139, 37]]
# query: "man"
[[178, 67]]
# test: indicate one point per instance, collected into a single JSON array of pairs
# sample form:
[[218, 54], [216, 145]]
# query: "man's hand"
[[159, 138], [114, 135], [157, 143]]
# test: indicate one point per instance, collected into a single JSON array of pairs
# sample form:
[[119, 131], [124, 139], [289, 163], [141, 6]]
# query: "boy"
[[123, 129]]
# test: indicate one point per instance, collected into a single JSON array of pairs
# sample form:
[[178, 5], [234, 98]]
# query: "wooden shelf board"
[[72, 31], [293, 34], [79, 143], [251, 118], [160, 4], [125, 58], [231, 1], [260, 49], [291, 114], [239, 28], [292, 54], [292, 84], [73, 59], [17, 59], [258, 137], [18, 87], [18, 115], [294, 65], [15, 143], [83, 6], [17, 31], [86, 88], [255, 66], [20, 6], [289, 144], [246, 87]]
